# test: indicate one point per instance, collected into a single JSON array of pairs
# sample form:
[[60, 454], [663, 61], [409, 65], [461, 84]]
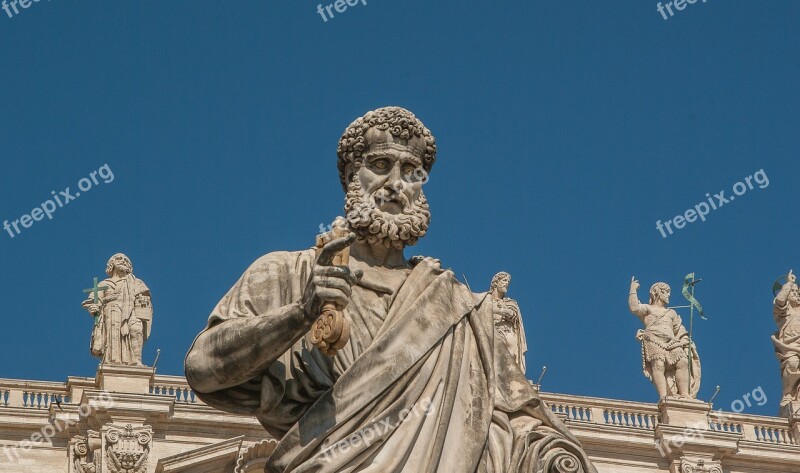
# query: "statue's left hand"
[[508, 315]]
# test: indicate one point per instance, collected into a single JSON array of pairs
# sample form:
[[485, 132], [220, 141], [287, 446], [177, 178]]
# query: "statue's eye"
[[380, 164], [408, 169]]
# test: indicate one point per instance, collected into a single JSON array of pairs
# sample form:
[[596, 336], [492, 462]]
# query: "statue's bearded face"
[[660, 292], [385, 204], [794, 296], [664, 294], [119, 263], [501, 282]]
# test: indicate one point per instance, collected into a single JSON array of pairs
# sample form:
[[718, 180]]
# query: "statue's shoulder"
[[648, 309], [283, 261], [140, 287], [415, 260]]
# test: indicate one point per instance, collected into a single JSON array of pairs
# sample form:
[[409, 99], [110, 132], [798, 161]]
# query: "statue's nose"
[[395, 180], [395, 174]]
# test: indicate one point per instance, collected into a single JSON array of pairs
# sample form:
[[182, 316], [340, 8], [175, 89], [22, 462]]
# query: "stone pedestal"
[[684, 412], [685, 438], [124, 379], [791, 412]]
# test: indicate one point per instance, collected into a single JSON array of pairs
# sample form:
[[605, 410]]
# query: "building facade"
[[132, 420]]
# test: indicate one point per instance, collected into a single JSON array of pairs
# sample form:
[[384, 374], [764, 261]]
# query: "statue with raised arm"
[[123, 314], [786, 311], [401, 374], [665, 344], [508, 319]]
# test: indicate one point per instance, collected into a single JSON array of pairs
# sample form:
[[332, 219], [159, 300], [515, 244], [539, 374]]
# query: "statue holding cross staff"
[[122, 312], [669, 356]]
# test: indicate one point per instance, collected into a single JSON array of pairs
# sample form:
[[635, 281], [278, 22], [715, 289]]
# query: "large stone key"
[[331, 331]]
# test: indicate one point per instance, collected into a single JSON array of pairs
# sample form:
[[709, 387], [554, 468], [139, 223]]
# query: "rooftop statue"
[[404, 374], [786, 311], [123, 313], [508, 318], [666, 346]]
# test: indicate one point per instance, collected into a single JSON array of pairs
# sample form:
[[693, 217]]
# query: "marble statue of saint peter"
[[422, 384]]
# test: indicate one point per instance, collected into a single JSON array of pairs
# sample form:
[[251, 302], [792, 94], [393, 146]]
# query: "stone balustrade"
[[32, 394], [174, 386], [611, 412], [40, 394], [575, 409], [635, 429], [771, 430], [579, 410]]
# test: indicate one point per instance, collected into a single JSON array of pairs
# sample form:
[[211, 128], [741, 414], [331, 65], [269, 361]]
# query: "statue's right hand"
[[634, 284], [329, 283], [93, 309]]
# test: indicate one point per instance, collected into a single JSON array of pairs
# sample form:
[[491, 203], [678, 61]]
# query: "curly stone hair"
[[497, 277], [117, 259], [398, 121]]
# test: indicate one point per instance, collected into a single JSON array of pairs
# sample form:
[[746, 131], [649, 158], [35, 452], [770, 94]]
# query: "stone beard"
[[371, 225], [421, 384]]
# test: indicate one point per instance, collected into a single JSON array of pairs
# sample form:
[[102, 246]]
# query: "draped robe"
[[512, 332], [787, 342], [431, 344], [111, 336]]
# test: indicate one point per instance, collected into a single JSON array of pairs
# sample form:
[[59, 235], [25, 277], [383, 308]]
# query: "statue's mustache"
[[388, 194]]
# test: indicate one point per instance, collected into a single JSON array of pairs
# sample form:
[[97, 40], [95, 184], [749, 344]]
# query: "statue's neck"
[[378, 255]]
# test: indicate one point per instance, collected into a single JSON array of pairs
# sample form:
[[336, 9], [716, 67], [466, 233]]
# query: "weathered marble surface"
[[666, 347], [422, 384], [786, 311], [508, 318], [124, 315]]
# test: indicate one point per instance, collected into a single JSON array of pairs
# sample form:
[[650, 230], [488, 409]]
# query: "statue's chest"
[[658, 322], [791, 327]]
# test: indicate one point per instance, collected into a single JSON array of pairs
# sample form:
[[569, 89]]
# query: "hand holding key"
[[328, 293]]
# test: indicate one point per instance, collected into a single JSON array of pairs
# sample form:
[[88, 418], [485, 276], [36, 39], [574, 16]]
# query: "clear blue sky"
[[565, 131]]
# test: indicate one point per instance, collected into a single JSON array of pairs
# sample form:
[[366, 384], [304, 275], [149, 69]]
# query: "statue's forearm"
[[633, 303], [236, 350], [783, 295]]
